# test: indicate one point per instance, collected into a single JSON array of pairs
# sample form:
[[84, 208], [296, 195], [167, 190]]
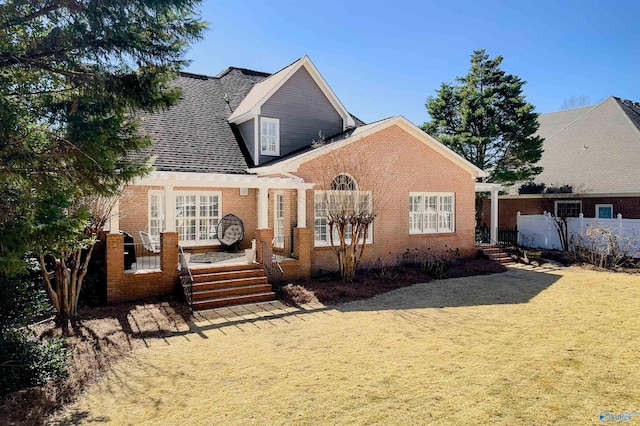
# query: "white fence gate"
[[539, 230]]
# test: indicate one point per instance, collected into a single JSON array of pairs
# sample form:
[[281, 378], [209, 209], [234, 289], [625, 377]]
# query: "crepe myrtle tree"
[[351, 192], [75, 75], [65, 235]]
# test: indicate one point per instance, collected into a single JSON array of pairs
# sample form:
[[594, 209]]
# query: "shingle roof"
[[595, 149], [194, 135]]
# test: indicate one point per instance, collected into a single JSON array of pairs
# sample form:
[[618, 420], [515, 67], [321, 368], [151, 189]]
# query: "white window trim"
[[598, 206], [275, 121], [327, 243], [197, 241], [558, 202], [437, 230], [161, 210]]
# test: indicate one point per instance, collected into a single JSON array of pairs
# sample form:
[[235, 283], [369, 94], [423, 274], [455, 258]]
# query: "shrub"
[[531, 188], [605, 248], [564, 189], [26, 361], [434, 263], [387, 274], [23, 300], [297, 295]]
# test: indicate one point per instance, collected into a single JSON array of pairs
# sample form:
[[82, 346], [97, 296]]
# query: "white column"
[[263, 208], [169, 209], [494, 215], [302, 208], [114, 219]]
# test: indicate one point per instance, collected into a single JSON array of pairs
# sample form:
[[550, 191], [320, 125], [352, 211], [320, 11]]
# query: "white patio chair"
[[149, 243]]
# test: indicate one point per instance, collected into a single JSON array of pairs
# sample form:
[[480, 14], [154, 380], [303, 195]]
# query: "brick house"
[[595, 150], [251, 144]]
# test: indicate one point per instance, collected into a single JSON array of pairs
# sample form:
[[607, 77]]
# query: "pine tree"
[[73, 76], [485, 118]]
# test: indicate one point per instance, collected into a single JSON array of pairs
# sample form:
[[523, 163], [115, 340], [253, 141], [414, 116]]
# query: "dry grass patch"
[[530, 346]]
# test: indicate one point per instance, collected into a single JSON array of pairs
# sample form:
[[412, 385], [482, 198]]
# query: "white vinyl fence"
[[539, 230]]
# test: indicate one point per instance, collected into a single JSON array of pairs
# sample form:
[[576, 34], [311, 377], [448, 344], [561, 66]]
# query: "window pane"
[[605, 212], [320, 230]]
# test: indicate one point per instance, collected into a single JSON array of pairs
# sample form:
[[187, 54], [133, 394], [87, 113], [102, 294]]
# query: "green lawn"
[[530, 346]]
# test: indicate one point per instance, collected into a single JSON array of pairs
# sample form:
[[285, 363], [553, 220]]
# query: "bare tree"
[[351, 193], [575, 102], [561, 208]]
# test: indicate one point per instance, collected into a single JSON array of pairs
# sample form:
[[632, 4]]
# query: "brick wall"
[[415, 168], [123, 287]]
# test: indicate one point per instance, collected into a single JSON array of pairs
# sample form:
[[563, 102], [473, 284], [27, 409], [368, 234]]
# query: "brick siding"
[[415, 168]]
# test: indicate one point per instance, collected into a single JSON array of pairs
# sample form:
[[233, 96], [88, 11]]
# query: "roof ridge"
[[195, 75], [248, 70], [626, 109], [588, 110]]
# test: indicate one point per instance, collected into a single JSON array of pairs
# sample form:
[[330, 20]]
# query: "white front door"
[[278, 220]]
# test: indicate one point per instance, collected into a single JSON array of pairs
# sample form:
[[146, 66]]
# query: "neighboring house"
[[242, 142], [595, 150]]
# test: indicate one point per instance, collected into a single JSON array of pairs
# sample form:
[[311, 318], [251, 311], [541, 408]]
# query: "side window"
[[269, 136], [604, 211], [431, 213], [568, 208]]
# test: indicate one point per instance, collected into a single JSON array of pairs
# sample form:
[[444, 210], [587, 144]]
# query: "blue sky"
[[384, 58]]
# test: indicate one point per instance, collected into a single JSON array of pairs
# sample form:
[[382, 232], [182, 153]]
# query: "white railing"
[[539, 230]]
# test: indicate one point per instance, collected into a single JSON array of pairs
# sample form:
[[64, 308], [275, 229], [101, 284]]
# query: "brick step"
[[233, 300], [216, 286], [200, 277], [231, 291], [226, 268], [496, 254], [240, 282]]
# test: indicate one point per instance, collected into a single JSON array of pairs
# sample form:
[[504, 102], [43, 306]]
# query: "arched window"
[[344, 182]]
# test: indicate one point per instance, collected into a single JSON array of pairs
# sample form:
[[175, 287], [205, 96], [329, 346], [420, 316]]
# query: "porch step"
[[496, 254], [232, 300], [218, 286]]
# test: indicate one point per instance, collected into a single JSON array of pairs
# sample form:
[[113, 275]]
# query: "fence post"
[[619, 223], [518, 239], [581, 224], [546, 229]]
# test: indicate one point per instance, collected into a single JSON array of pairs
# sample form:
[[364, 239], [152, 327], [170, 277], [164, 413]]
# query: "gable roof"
[[290, 164], [262, 91], [194, 135], [594, 149]]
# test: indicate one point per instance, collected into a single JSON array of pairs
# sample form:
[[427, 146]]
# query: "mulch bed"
[[330, 289]]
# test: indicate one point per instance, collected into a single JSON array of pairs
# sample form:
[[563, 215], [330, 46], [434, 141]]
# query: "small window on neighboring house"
[[270, 136], [568, 208], [604, 211], [431, 212]]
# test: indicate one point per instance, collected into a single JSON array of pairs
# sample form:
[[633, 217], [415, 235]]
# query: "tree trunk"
[[346, 263], [65, 291]]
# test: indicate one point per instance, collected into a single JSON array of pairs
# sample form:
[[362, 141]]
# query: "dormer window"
[[269, 136]]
